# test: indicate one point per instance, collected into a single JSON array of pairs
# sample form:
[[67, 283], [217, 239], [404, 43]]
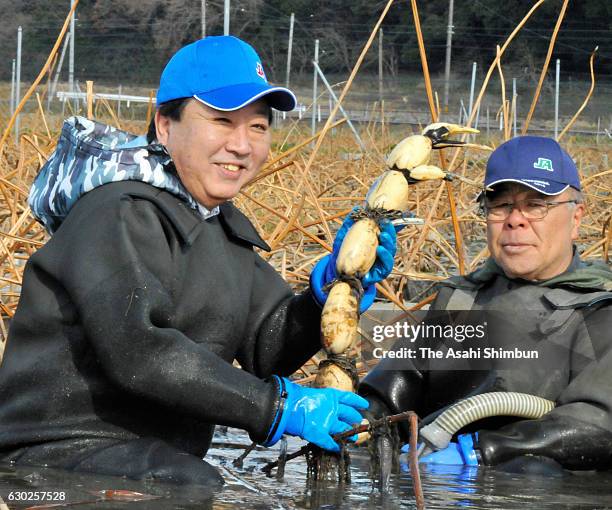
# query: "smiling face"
[[534, 249], [216, 153]]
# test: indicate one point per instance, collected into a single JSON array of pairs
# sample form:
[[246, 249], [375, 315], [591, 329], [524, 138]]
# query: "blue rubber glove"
[[460, 453], [315, 414], [325, 270], [320, 277]]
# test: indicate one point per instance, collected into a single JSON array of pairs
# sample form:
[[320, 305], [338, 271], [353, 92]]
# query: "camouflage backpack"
[[90, 154]]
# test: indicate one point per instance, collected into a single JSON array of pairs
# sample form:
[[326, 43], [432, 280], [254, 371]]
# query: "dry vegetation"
[[298, 213], [300, 198]]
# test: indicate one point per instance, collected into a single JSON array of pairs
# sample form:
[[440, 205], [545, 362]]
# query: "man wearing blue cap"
[[120, 356], [539, 293]]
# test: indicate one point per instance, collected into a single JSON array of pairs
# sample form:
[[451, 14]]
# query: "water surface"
[[248, 488]]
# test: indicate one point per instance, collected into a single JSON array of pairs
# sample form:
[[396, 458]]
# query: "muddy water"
[[248, 488]]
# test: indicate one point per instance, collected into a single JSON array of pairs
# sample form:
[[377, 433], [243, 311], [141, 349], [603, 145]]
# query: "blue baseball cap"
[[534, 161], [222, 72]]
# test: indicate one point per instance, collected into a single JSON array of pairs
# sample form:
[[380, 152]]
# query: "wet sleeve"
[[285, 328], [394, 386], [573, 443], [120, 272], [578, 432]]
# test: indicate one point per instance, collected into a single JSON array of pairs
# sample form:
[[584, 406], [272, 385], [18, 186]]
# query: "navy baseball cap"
[[222, 72], [534, 161]]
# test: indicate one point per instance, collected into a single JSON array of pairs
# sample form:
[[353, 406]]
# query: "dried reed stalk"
[[42, 115], [111, 112], [347, 87], [150, 109], [586, 100], [90, 99], [504, 106], [273, 204], [39, 77], [434, 117], [551, 46], [290, 151]]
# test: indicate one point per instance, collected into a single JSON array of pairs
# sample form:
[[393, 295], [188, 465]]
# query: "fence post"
[[13, 88], [203, 18], [477, 117], [472, 85], [18, 84], [515, 104], [290, 48], [314, 89], [342, 110], [380, 65], [447, 63], [59, 70], [558, 72], [226, 17]]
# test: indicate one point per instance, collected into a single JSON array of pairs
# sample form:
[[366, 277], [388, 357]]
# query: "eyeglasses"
[[531, 208]]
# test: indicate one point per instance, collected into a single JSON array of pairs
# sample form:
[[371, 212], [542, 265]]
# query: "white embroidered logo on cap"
[[260, 71], [543, 164]]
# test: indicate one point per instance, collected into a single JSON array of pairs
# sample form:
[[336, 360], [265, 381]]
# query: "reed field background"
[[310, 183]]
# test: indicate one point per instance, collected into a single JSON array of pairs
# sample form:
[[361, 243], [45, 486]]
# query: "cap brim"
[[238, 96], [550, 188]]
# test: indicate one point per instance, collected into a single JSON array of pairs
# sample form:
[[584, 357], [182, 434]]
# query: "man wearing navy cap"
[[532, 178], [540, 294], [120, 355]]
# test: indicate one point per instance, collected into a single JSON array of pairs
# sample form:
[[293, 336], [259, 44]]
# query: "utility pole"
[[380, 65], [449, 41], [18, 84], [203, 19], [226, 17], [71, 56], [290, 48]]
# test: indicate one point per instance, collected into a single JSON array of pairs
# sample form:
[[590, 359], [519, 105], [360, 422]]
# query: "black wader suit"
[[568, 319], [119, 358]]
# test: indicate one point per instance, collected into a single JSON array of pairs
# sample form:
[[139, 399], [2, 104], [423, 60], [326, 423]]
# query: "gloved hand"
[[325, 270], [460, 453], [315, 414]]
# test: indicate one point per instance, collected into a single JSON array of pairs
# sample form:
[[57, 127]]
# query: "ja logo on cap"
[[259, 70], [543, 164]]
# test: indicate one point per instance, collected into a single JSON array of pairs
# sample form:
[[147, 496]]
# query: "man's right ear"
[[162, 127]]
